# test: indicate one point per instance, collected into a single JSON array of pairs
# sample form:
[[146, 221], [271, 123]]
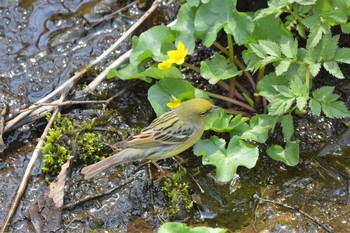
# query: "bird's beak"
[[214, 107]]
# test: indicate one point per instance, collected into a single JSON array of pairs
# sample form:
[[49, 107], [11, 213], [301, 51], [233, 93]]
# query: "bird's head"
[[194, 110]]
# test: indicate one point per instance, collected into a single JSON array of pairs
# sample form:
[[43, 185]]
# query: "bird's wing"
[[165, 130]]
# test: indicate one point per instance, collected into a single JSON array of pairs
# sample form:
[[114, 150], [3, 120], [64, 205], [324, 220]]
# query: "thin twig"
[[28, 172], [239, 103], [66, 87], [313, 219]]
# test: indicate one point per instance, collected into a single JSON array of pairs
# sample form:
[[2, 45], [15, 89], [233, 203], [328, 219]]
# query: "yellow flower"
[[174, 103], [164, 65], [170, 134], [178, 56]]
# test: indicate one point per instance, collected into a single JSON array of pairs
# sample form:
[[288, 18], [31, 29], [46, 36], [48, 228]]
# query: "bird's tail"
[[123, 156]]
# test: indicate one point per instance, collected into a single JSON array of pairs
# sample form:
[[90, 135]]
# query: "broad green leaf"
[[152, 44], [176, 227], [287, 126], [112, 73], [275, 26], [259, 127], [217, 69], [289, 155], [333, 68], [156, 73], [126, 72], [164, 90], [223, 15], [184, 25], [226, 160], [220, 121]]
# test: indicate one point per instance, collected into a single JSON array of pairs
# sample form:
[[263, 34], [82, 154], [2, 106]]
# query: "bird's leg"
[[179, 159], [161, 170]]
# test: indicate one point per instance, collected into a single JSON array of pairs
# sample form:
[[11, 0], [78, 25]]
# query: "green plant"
[[56, 150], [283, 48], [57, 145], [177, 192], [176, 227]]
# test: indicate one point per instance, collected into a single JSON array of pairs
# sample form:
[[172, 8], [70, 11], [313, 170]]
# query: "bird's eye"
[[204, 113]]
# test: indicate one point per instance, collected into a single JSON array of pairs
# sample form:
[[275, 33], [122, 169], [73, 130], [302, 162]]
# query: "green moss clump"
[[90, 145], [55, 150], [178, 192]]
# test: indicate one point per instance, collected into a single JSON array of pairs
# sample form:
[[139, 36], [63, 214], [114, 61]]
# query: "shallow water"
[[43, 42]]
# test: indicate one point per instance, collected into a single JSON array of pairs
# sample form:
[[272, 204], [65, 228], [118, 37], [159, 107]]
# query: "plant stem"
[[192, 67], [246, 73], [230, 48], [221, 48], [236, 102]]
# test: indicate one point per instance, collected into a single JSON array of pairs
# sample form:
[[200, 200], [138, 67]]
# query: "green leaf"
[[184, 25], [282, 67], [280, 105], [289, 155], [314, 37], [220, 121], [156, 73], [126, 72], [287, 126], [275, 26], [223, 15], [176, 227], [217, 69], [266, 85], [327, 101], [333, 68], [329, 47], [315, 107], [112, 73], [335, 109], [161, 93], [152, 44], [342, 55], [289, 47], [271, 48], [226, 160], [258, 50], [259, 126]]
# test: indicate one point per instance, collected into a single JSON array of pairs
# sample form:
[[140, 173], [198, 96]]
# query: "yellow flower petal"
[[178, 56], [164, 65], [174, 103]]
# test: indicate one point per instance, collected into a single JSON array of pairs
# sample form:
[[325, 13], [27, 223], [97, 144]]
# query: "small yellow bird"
[[168, 135]]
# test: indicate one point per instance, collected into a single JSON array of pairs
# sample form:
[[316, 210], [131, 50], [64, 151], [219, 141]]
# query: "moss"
[[55, 150], [178, 192], [58, 147]]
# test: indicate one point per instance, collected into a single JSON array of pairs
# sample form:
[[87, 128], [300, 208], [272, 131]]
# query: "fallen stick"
[[28, 172]]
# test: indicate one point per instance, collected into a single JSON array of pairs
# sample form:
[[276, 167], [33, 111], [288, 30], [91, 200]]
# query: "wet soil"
[[43, 42]]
